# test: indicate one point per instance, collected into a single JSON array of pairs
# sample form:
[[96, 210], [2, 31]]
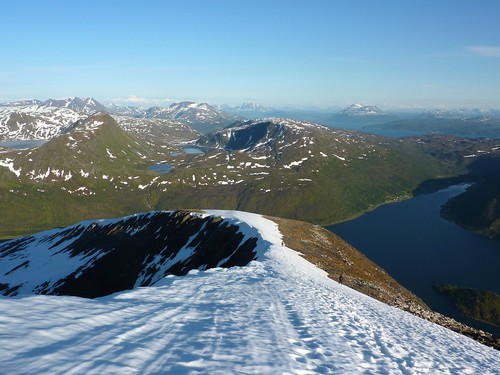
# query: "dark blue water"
[[161, 168], [418, 248], [23, 143]]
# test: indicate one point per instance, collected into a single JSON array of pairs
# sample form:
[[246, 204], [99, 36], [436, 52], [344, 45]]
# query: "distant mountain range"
[[18, 120], [361, 114], [34, 119], [84, 105], [447, 122], [249, 110], [270, 166]]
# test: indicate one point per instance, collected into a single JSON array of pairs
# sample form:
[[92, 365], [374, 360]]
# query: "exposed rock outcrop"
[[97, 258]]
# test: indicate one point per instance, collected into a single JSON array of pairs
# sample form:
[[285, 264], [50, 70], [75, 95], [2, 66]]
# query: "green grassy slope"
[[481, 305], [294, 170]]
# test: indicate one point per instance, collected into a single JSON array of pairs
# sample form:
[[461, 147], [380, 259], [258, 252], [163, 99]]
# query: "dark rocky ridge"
[[135, 251]]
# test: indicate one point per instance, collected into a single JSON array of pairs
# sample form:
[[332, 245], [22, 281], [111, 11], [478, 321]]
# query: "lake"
[[161, 168], [20, 144], [418, 248], [189, 150]]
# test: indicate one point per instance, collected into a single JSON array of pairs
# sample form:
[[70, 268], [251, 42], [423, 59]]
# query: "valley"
[[99, 166]]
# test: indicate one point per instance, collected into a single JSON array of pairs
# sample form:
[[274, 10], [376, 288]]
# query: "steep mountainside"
[[478, 209], [95, 168], [100, 257], [97, 258]]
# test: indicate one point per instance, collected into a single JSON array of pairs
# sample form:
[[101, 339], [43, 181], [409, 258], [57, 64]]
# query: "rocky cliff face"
[[97, 258]]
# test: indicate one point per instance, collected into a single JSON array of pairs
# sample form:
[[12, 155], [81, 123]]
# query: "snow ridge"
[[277, 315]]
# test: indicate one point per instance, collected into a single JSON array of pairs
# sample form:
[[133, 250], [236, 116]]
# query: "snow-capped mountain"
[[88, 149], [34, 121], [200, 116], [82, 105], [278, 135], [439, 113], [355, 110], [278, 314]]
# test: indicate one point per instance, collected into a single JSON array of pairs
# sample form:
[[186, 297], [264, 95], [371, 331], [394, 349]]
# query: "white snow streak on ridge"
[[9, 163], [277, 315]]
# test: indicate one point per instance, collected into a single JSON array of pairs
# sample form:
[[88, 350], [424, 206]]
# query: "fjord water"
[[418, 248]]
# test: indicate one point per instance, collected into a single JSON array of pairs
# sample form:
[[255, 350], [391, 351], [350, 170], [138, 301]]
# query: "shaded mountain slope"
[[478, 208], [97, 258]]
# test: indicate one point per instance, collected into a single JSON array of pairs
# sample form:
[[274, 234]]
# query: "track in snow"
[[278, 315]]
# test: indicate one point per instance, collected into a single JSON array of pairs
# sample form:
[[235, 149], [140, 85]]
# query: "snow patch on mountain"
[[9, 163], [362, 110], [24, 122]]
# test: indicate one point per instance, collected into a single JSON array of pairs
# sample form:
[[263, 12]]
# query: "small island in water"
[[483, 305]]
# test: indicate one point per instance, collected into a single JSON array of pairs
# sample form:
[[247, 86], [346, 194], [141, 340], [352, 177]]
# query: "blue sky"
[[276, 52]]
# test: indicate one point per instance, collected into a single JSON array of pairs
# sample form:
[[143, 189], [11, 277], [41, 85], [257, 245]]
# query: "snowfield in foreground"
[[279, 314]]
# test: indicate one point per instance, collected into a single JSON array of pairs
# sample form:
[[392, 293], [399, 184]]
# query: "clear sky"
[[392, 54]]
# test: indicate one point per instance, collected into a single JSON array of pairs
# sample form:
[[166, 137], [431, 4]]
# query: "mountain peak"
[[82, 105], [362, 110]]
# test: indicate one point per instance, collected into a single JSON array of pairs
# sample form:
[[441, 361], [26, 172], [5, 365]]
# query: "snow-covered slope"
[[34, 121], [279, 314], [97, 258]]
